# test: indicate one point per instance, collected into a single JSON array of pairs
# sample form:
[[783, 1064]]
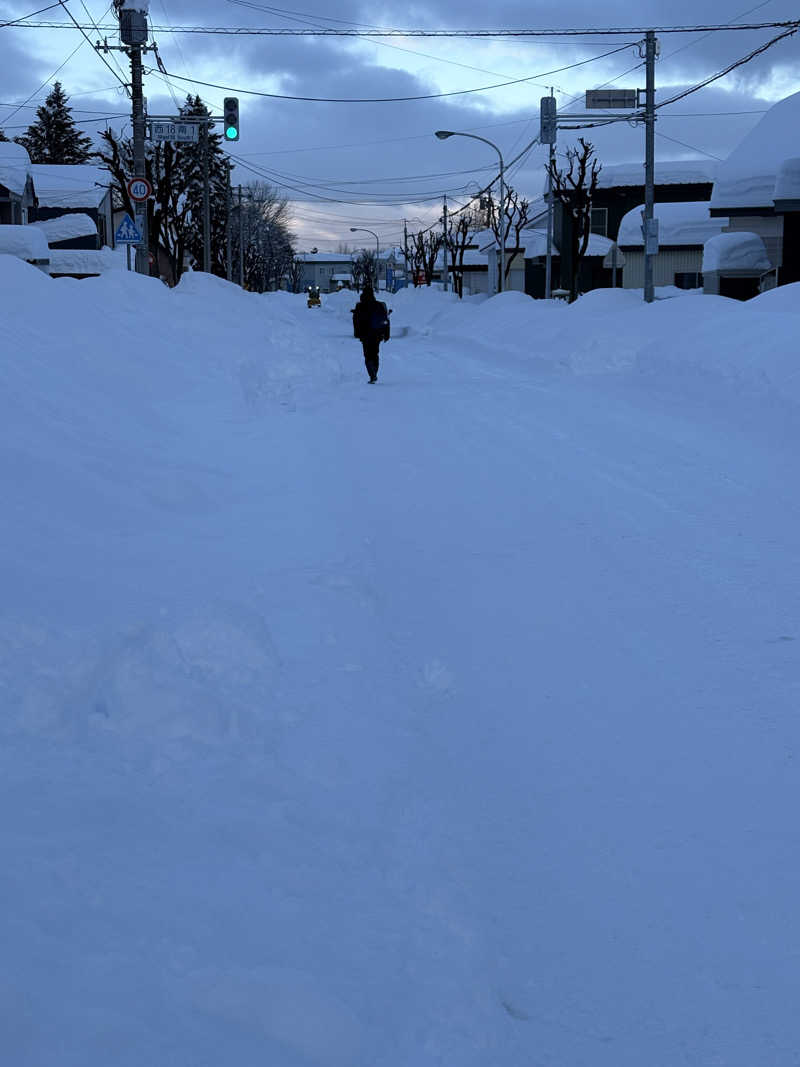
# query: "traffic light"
[[231, 123], [548, 119]]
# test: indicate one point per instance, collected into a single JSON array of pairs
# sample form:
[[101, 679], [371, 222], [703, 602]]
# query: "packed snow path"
[[451, 721]]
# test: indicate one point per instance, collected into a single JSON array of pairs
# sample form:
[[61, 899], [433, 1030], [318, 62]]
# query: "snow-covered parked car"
[[26, 242]]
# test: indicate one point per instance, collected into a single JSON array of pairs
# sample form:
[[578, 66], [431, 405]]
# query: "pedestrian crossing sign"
[[127, 232]]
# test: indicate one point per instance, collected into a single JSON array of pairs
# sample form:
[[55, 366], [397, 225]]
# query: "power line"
[[44, 84], [395, 99], [23, 18], [692, 147], [731, 66], [268, 31], [122, 82], [300, 16]]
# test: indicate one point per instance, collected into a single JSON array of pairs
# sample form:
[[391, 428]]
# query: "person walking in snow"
[[370, 326]]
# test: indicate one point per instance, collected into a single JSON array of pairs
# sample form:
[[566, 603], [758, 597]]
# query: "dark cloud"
[[329, 156]]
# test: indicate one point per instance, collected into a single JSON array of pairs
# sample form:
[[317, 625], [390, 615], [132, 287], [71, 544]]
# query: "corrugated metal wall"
[[668, 263]]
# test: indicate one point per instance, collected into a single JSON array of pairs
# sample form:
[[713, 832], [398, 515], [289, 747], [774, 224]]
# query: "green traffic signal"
[[231, 116]]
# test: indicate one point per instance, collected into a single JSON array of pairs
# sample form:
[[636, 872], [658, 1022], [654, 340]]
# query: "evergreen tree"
[[190, 177], [3, 136], [54, 137]]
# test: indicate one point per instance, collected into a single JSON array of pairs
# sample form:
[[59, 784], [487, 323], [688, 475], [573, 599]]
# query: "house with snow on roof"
[[683, 229], [17, 195], [758, 189], [75, 189], [620, 188]]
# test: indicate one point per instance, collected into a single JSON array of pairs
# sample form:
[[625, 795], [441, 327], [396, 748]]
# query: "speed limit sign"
[[139, 189]]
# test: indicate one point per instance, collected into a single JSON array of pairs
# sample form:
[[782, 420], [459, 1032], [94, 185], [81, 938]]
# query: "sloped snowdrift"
[[449, 721]]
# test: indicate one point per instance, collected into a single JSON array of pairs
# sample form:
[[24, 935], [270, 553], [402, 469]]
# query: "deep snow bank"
[[448, 721]]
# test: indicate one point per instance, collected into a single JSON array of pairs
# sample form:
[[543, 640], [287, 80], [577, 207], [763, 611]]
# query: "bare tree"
[[425, 247], [262, 229], [460, 231], [506, 221], [574, 188]]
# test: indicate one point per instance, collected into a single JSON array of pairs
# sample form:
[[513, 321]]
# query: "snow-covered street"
[[451, 721]]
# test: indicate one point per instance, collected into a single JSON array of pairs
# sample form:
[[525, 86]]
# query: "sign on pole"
[[612, 99], [175, 131], [139, 190], [127, 232], [547, 120], [650, 235]]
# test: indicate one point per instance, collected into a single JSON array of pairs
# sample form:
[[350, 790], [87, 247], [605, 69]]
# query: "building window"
[[600, 221], [689, 280]]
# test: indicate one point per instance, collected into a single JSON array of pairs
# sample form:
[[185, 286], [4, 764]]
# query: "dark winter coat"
[[371, 318]]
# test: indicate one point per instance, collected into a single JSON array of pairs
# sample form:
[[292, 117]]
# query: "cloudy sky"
[[374, 164]]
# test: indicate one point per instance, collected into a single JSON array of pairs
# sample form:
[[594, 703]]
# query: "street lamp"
[[362, 229], [443, 135]]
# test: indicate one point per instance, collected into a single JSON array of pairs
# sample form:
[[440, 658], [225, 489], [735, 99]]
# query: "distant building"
[[17, 195], [758, 189], [333, 270], [323, 269], [683, 229]]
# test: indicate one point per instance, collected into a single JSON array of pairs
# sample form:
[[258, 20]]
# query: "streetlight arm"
[[443, 135]]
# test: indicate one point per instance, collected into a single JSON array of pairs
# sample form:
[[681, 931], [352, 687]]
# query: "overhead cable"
[[394, 99]]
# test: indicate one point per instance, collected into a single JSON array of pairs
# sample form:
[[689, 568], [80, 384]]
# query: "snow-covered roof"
[[324, 257], [67, 227], [747, 178], [787, 182], [83, 261], [735, 251], [70, 185], [683, 224], [667, 172], [15, 167], [535, 244], [25, 242]]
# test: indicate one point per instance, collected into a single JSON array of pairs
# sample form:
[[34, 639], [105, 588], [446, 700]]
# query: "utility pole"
[[444, 242], [241, 241], [548, 267], [650, 233], [206, 200], [133, 32], [137, 107], [405, 247], [228, 249]]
